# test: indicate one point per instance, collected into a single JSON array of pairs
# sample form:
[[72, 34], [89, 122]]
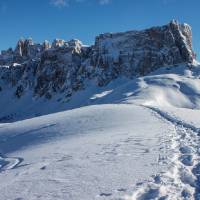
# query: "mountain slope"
[[130, 144], [95, 152]]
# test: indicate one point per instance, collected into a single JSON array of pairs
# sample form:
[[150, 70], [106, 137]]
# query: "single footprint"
[[185, 150], [157, 179], [186, 194], [150, 193], [121, 190], [186, 160], [187, 177], [105, 194], [43, 168], [196, 170]]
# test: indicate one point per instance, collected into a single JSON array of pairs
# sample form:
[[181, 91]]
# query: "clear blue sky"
[[84, 19]]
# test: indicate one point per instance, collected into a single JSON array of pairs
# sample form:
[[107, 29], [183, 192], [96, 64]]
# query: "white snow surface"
[[133, 139]]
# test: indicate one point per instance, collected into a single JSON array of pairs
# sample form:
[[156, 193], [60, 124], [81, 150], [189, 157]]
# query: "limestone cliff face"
[[140, 52], [63, 67]]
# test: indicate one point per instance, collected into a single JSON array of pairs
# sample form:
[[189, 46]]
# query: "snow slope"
[[133, 139], [86, 153]]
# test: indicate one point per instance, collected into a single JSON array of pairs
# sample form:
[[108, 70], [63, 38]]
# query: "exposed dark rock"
[[19, 91]]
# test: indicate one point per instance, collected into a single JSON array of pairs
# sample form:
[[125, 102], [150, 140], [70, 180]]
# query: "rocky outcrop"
[[63, 67], [140, 52], [59, 69]]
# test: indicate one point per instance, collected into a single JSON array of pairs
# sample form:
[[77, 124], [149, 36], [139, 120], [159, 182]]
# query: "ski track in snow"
[[182, 180], [8, 163]]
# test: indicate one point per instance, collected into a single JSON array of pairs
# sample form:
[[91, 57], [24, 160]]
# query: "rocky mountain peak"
[[46, 45], [23, 47], [64, 66], [58, 43]]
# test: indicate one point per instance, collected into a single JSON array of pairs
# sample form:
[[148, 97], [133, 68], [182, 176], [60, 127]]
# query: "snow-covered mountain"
[[59, 70], [117, 120]]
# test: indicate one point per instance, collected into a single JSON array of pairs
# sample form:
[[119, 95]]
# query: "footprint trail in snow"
[[182, 180]]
